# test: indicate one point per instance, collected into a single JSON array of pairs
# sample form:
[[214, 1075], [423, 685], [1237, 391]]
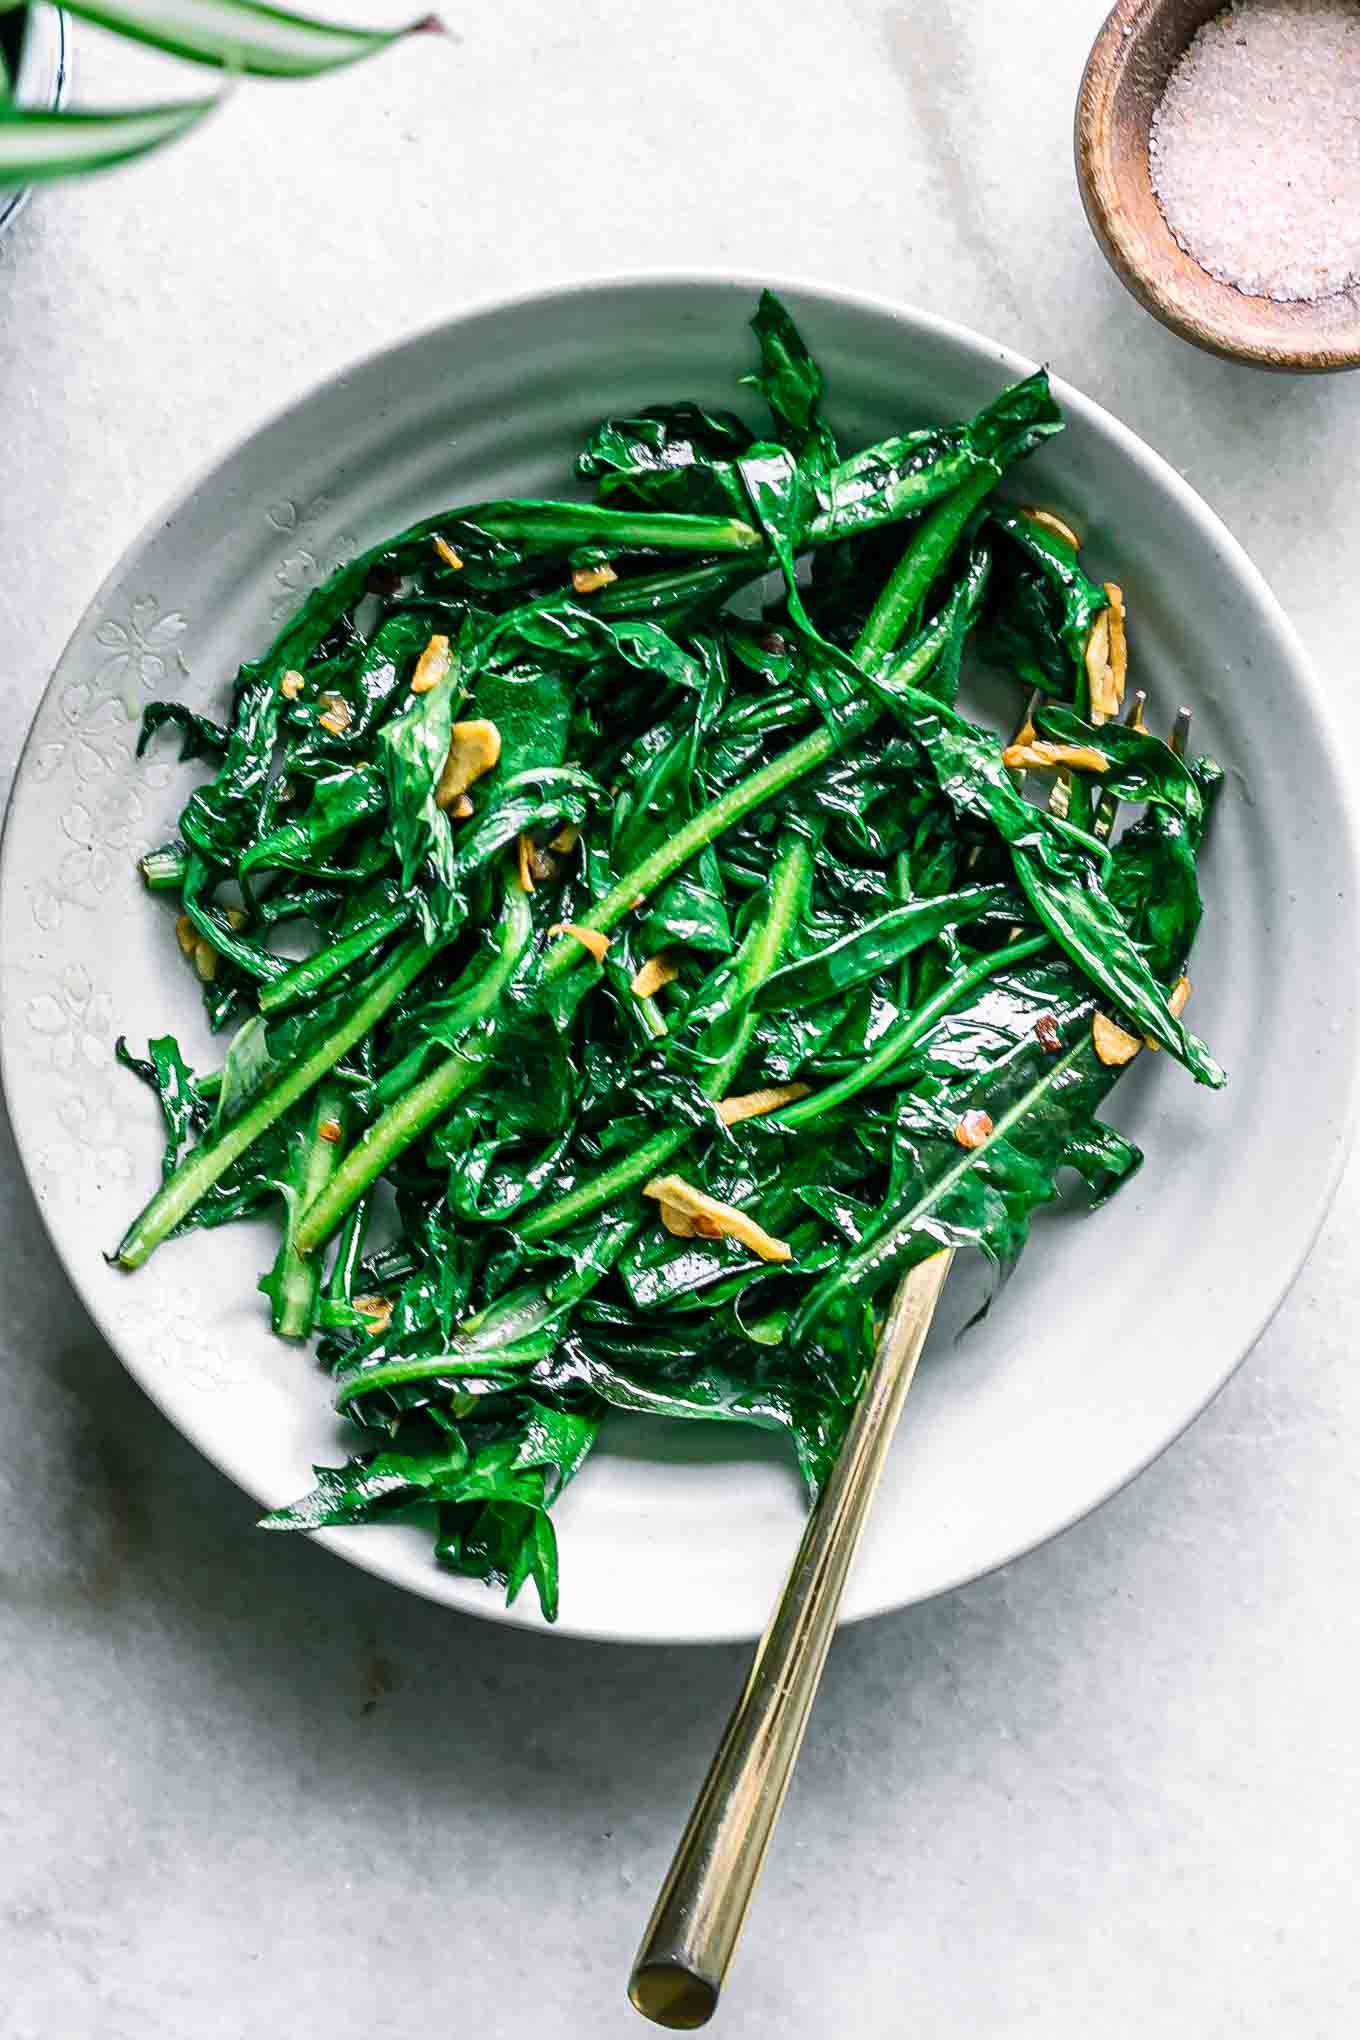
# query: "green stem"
[[917, 569], [609, 1184], [918, 566], [295, 845], [1098, 849], [667, 595], [901, 885], [337, 1302], [592, 524], [787, 890], [307, 978], [788, 897], [387, 1138], [484, 1344], [907, 1033], [702, 829], [422, 1102], [398, 1127], [163, 870], [649, 1017], [474, 995], [292, 1283], [200, 1169]]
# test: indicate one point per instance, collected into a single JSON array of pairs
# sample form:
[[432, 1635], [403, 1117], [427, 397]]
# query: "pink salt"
[[1255, 147]]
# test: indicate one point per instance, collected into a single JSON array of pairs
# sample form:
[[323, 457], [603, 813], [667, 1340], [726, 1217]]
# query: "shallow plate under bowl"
[[1117, 1329]]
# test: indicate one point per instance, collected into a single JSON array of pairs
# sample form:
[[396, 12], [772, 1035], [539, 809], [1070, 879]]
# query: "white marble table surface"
[[1112, 1791]]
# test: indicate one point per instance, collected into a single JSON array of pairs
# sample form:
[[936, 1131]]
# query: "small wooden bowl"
[[1126, 75]]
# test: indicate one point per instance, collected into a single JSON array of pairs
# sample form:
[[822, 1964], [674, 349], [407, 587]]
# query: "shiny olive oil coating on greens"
[[628, 971]]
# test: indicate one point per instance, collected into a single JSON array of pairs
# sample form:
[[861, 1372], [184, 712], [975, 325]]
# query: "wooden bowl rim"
[[1298, 337]]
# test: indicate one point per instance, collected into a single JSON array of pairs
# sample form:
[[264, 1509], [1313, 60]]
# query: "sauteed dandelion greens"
[[632, 960]]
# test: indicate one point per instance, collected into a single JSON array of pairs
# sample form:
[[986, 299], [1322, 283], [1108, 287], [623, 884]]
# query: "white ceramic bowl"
[[1117, 1329]]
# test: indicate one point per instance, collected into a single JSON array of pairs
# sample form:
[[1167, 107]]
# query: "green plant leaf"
[[1063, 887], [242, 35], [1041, 608], [37, 145], [838, 967]]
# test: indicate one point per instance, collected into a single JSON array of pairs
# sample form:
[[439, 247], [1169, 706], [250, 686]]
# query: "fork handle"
[[693, 1930]]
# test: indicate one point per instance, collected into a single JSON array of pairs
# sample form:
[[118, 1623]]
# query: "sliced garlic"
[[474, 748], [432, 665], [524, 859], [657, 971], [586, 580], [713, 1219], [1107, 658], [589, 938], [1050, 521], [1112, 1044], [755, 1104], [1039, 755], [336, 715], [1119, 643]]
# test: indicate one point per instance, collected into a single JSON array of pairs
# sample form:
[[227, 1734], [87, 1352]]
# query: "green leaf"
[[1063, 887], [36, 145], [532, 711], [1140, 768], [293, 1284], [355, 1493], [1041, 1107], [339, 803], [671, 457], [249, 1065], [1153, 882], [200, 737], [170, 1077], [830, 972], [242, 35], [558, 794], [1041, 609], [634, 1370], [413, 748], [791, 384]]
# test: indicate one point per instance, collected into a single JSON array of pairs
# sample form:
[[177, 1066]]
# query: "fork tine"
[[1108, 811], [1180, 732]]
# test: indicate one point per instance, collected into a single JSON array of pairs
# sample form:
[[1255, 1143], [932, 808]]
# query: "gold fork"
[[684, 1954]]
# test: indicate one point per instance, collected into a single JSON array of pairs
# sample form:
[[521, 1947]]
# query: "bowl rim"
[[1344, 1110], [1255, 331]]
